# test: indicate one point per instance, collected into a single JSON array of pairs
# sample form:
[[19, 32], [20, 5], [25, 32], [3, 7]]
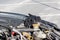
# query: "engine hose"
[[50, 24], [56, 32]]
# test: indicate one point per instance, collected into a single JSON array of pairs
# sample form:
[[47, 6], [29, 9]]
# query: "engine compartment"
[[22, 27]]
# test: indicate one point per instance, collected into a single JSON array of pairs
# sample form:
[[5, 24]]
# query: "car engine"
[[32, 28]]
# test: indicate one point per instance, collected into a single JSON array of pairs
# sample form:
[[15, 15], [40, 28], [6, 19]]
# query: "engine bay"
[[27, 28]]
